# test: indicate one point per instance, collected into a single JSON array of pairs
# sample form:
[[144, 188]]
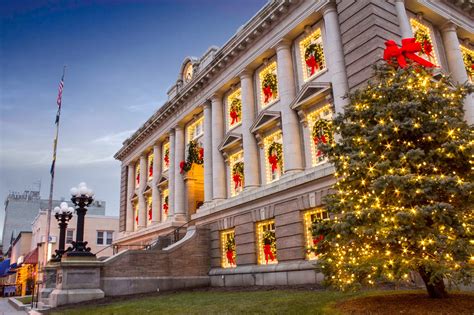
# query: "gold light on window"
[[150, 166], [195, 129], [312, 55], [137, 175], [228, 249], [234, 109], [310, 217], [266, 243], [271, 175], [236, 163], [166, 156], [422, 34], [149, 208], [164, 205], [268, 82], [468, 59], [324, 113]]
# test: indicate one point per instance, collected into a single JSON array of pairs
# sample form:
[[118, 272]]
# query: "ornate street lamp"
[[82, 197], [63, 214]]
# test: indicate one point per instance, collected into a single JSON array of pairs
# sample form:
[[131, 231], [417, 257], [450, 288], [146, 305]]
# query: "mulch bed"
[[419, 304]]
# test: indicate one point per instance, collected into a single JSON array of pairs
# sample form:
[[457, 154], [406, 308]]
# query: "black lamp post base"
[[79, 249]]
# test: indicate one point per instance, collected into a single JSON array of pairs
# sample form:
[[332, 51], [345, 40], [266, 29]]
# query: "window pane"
[[109, 238]]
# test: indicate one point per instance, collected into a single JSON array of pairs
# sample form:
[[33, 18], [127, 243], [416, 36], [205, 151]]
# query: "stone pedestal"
[[48, 283], [77, 280]]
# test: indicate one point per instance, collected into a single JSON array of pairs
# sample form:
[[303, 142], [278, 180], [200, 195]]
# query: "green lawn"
[[218, 302], [24, 299]]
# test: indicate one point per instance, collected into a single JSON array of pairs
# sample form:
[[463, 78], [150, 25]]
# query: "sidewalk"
[[7, 309]]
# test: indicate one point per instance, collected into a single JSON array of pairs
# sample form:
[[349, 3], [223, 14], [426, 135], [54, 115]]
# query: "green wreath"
[[270, 80], [316, 50], [421, 36], [236, 107], [276, 148], [195, 156], [238, 168], [230, 243], [322, 127], [468, 63], [270, 239]]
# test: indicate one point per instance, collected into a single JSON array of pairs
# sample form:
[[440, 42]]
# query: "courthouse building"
[[234, 149]]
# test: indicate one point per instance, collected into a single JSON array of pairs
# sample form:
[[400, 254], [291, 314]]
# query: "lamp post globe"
[[63, 215]]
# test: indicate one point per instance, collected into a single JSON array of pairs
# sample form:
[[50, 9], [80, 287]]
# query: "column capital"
[[246, 74], [206, 105], [283, 44], [217, 96], [329, 7], [178, 126], [449, 26]]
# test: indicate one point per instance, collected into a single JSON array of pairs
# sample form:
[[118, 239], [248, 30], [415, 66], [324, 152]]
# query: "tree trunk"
[[436, 289]]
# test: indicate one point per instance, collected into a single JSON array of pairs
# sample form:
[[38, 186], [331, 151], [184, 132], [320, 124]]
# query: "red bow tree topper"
[[408, 51]]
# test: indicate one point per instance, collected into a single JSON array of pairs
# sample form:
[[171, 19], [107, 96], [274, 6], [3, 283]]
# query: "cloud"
[[114, 138]]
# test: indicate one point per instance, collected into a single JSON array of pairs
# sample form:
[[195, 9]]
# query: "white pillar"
[[456, 65], [293, 155], [142, 204], [403, 21], [251, 169], [155, 194], [218, 163], [171, 176], [335, 56], [130, 190], [179, 195], [208, 153]]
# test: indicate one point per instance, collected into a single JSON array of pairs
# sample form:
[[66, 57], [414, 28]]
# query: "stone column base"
[[71, 296]]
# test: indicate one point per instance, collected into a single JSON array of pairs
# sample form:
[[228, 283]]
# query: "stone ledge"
[[280, 267], [19, 306], [72, 296]]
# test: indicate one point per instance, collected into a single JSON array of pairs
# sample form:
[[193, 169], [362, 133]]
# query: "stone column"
[[293, 155], [218, 163], [403, 21], [179, 195], [335, 56], [155, 194], [208, 153], [251, 169], [456, 65], [130, 189], [142, 204], [171, 176]]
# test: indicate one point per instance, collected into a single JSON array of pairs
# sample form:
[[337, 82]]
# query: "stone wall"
[[123, 199], [182, 265]]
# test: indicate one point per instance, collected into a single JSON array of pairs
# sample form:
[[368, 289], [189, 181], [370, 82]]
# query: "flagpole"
[[53, 166]]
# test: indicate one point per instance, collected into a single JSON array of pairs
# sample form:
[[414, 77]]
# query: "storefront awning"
[[32, 257], [4, 266]]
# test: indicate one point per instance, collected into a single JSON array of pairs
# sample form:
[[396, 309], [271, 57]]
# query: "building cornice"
[[235, 47]]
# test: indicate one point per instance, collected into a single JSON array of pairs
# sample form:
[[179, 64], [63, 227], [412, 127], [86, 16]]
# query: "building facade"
[[234, 149], [22, 208]]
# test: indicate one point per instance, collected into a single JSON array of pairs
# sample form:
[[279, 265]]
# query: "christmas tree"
[[404, 198]]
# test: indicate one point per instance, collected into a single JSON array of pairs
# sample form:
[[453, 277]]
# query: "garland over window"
[[136, 213], [468, 58], [269, 84], [275, 156], [137, 175], [238, 175], [195, 156], [166, 156], [235, 108], [165, 205], [150, 166], [311, 49]]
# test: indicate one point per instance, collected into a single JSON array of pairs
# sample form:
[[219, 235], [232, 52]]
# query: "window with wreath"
[[194, 148], [312, 55], [273, 146], [311, 217], [164, 205], [422, 35], [268, 84], [266, 242], [166, 156], [320, 123], [149, 208], [150, 166], [228, 253], [234, 109], [468, 58], [135, 211], [236, 163], [137, 175]]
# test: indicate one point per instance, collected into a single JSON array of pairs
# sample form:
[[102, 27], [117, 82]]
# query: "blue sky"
[[121, 57]]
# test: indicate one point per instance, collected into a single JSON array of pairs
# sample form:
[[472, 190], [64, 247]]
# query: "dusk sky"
[[121, 57]]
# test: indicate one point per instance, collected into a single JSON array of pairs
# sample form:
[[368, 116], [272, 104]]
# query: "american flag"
[[60, 93]]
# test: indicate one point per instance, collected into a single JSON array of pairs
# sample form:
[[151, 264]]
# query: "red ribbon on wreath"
[[167, 160], [472, 66], [408, 50], [237, 180], [150, 214], [235, 117], [273, 160], [138, 178], [182, 164], [150, 170], [267, 91], [136, 218], [318, 239], [319, 139], [201, 153], [428, 48], [165, 207], [267, 250], [313, 64], [230, 256]]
